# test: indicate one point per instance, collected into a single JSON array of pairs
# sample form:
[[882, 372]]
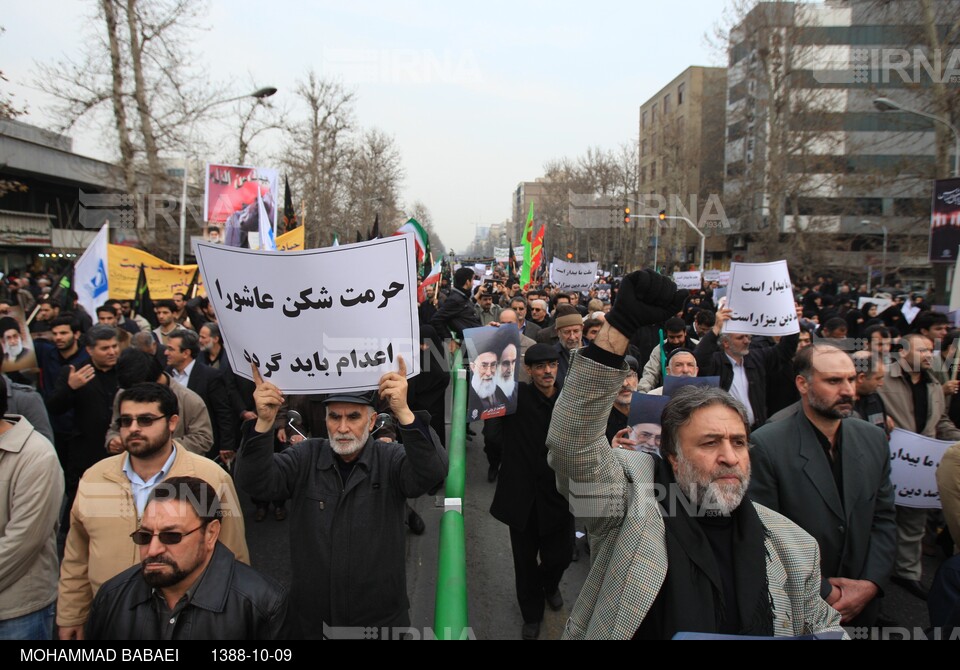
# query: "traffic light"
[[663, 215], [626, 215]]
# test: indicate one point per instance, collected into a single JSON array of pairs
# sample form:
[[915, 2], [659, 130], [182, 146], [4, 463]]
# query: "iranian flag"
[[419, 236], [431, 279]]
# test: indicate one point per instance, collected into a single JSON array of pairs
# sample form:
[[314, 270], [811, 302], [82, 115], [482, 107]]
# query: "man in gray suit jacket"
[[830, 474]]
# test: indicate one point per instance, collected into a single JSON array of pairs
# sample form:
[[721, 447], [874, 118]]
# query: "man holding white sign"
[[915, 402], [349, 503], [317, 321], [743, 371]]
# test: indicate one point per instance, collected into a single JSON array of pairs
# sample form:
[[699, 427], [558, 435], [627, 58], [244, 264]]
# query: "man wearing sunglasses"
[[113, 494], [188, 585]]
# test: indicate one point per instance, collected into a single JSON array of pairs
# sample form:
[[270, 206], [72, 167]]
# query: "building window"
[[643, 148], [653, 171], [666, 104], [643, 120], [680, 90], [653, 113]]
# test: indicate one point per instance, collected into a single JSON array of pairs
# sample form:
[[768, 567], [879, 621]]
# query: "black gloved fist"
[[645, 298]]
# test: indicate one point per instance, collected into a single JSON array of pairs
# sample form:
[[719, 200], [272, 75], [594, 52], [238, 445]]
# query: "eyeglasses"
[[143, 420], [486, 366], [144, 537]]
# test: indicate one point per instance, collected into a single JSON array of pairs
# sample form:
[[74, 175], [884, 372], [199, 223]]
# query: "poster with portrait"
[[644, 422], [19, 357], [230, 199], [493, 353]]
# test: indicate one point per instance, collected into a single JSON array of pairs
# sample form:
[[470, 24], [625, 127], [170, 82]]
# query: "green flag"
[[525, 272]]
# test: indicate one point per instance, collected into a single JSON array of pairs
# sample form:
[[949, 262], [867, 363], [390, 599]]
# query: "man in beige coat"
[[194, 430], [113, 493], [31, 492], [914, 400]]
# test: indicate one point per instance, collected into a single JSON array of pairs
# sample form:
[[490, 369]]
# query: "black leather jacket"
[[456, 313], [232, 602]]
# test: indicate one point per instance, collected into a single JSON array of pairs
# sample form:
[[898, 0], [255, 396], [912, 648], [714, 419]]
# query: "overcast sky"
[[477, 97]]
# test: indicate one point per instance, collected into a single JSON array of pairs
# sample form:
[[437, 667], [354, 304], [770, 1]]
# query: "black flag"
[[289, 213], [512, 272], [375, 231], [142, 304]]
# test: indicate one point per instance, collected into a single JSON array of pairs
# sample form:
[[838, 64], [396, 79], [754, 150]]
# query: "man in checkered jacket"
[[675, 545]]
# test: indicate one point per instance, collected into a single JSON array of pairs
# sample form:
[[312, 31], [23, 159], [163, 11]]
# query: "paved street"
[[494, 613]]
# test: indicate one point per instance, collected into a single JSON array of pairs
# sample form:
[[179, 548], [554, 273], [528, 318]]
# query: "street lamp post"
[[888, 105], [658, 217], [883, 262], [259, 94]]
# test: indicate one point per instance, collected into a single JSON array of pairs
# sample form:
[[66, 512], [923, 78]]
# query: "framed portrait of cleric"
[[492, 353], [644, 422], [19, 358]]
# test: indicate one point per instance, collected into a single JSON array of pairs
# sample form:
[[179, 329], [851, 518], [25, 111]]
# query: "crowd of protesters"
[[128, 441]]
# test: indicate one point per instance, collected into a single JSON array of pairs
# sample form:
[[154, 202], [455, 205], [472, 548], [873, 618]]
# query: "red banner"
[[230, 198]]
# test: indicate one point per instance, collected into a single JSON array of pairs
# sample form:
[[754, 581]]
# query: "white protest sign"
[[724, 279], [502, 254], [687, 280], [881, 303], [573, 276], [761, 297], [711, 275], [913, 468], [317, 321], [909, 311]]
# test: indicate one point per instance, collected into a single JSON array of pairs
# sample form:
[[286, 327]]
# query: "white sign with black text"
[[913, 468], [761, 298], [317, 321], [573, 276]]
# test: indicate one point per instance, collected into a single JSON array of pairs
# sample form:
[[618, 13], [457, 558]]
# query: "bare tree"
[[9, 110], [134, 74], [373, 178], [419, 211], [317, 154]]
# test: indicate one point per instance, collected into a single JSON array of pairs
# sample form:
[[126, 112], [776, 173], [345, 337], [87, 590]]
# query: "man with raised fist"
[[676, 546]]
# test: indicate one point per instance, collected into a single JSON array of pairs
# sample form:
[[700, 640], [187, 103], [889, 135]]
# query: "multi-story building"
[[526, 192], [813, 169], [681, 162]]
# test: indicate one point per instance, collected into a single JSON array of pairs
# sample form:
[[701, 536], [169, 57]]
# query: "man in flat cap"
[[348, 544], [527, 499]]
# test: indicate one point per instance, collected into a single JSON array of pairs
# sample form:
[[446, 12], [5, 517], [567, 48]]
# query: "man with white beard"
[[506, 376], [672, 546], [348, 544], [486, 400]]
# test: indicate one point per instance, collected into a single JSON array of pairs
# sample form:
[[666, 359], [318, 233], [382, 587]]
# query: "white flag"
[[90, 278], [267, 241]]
